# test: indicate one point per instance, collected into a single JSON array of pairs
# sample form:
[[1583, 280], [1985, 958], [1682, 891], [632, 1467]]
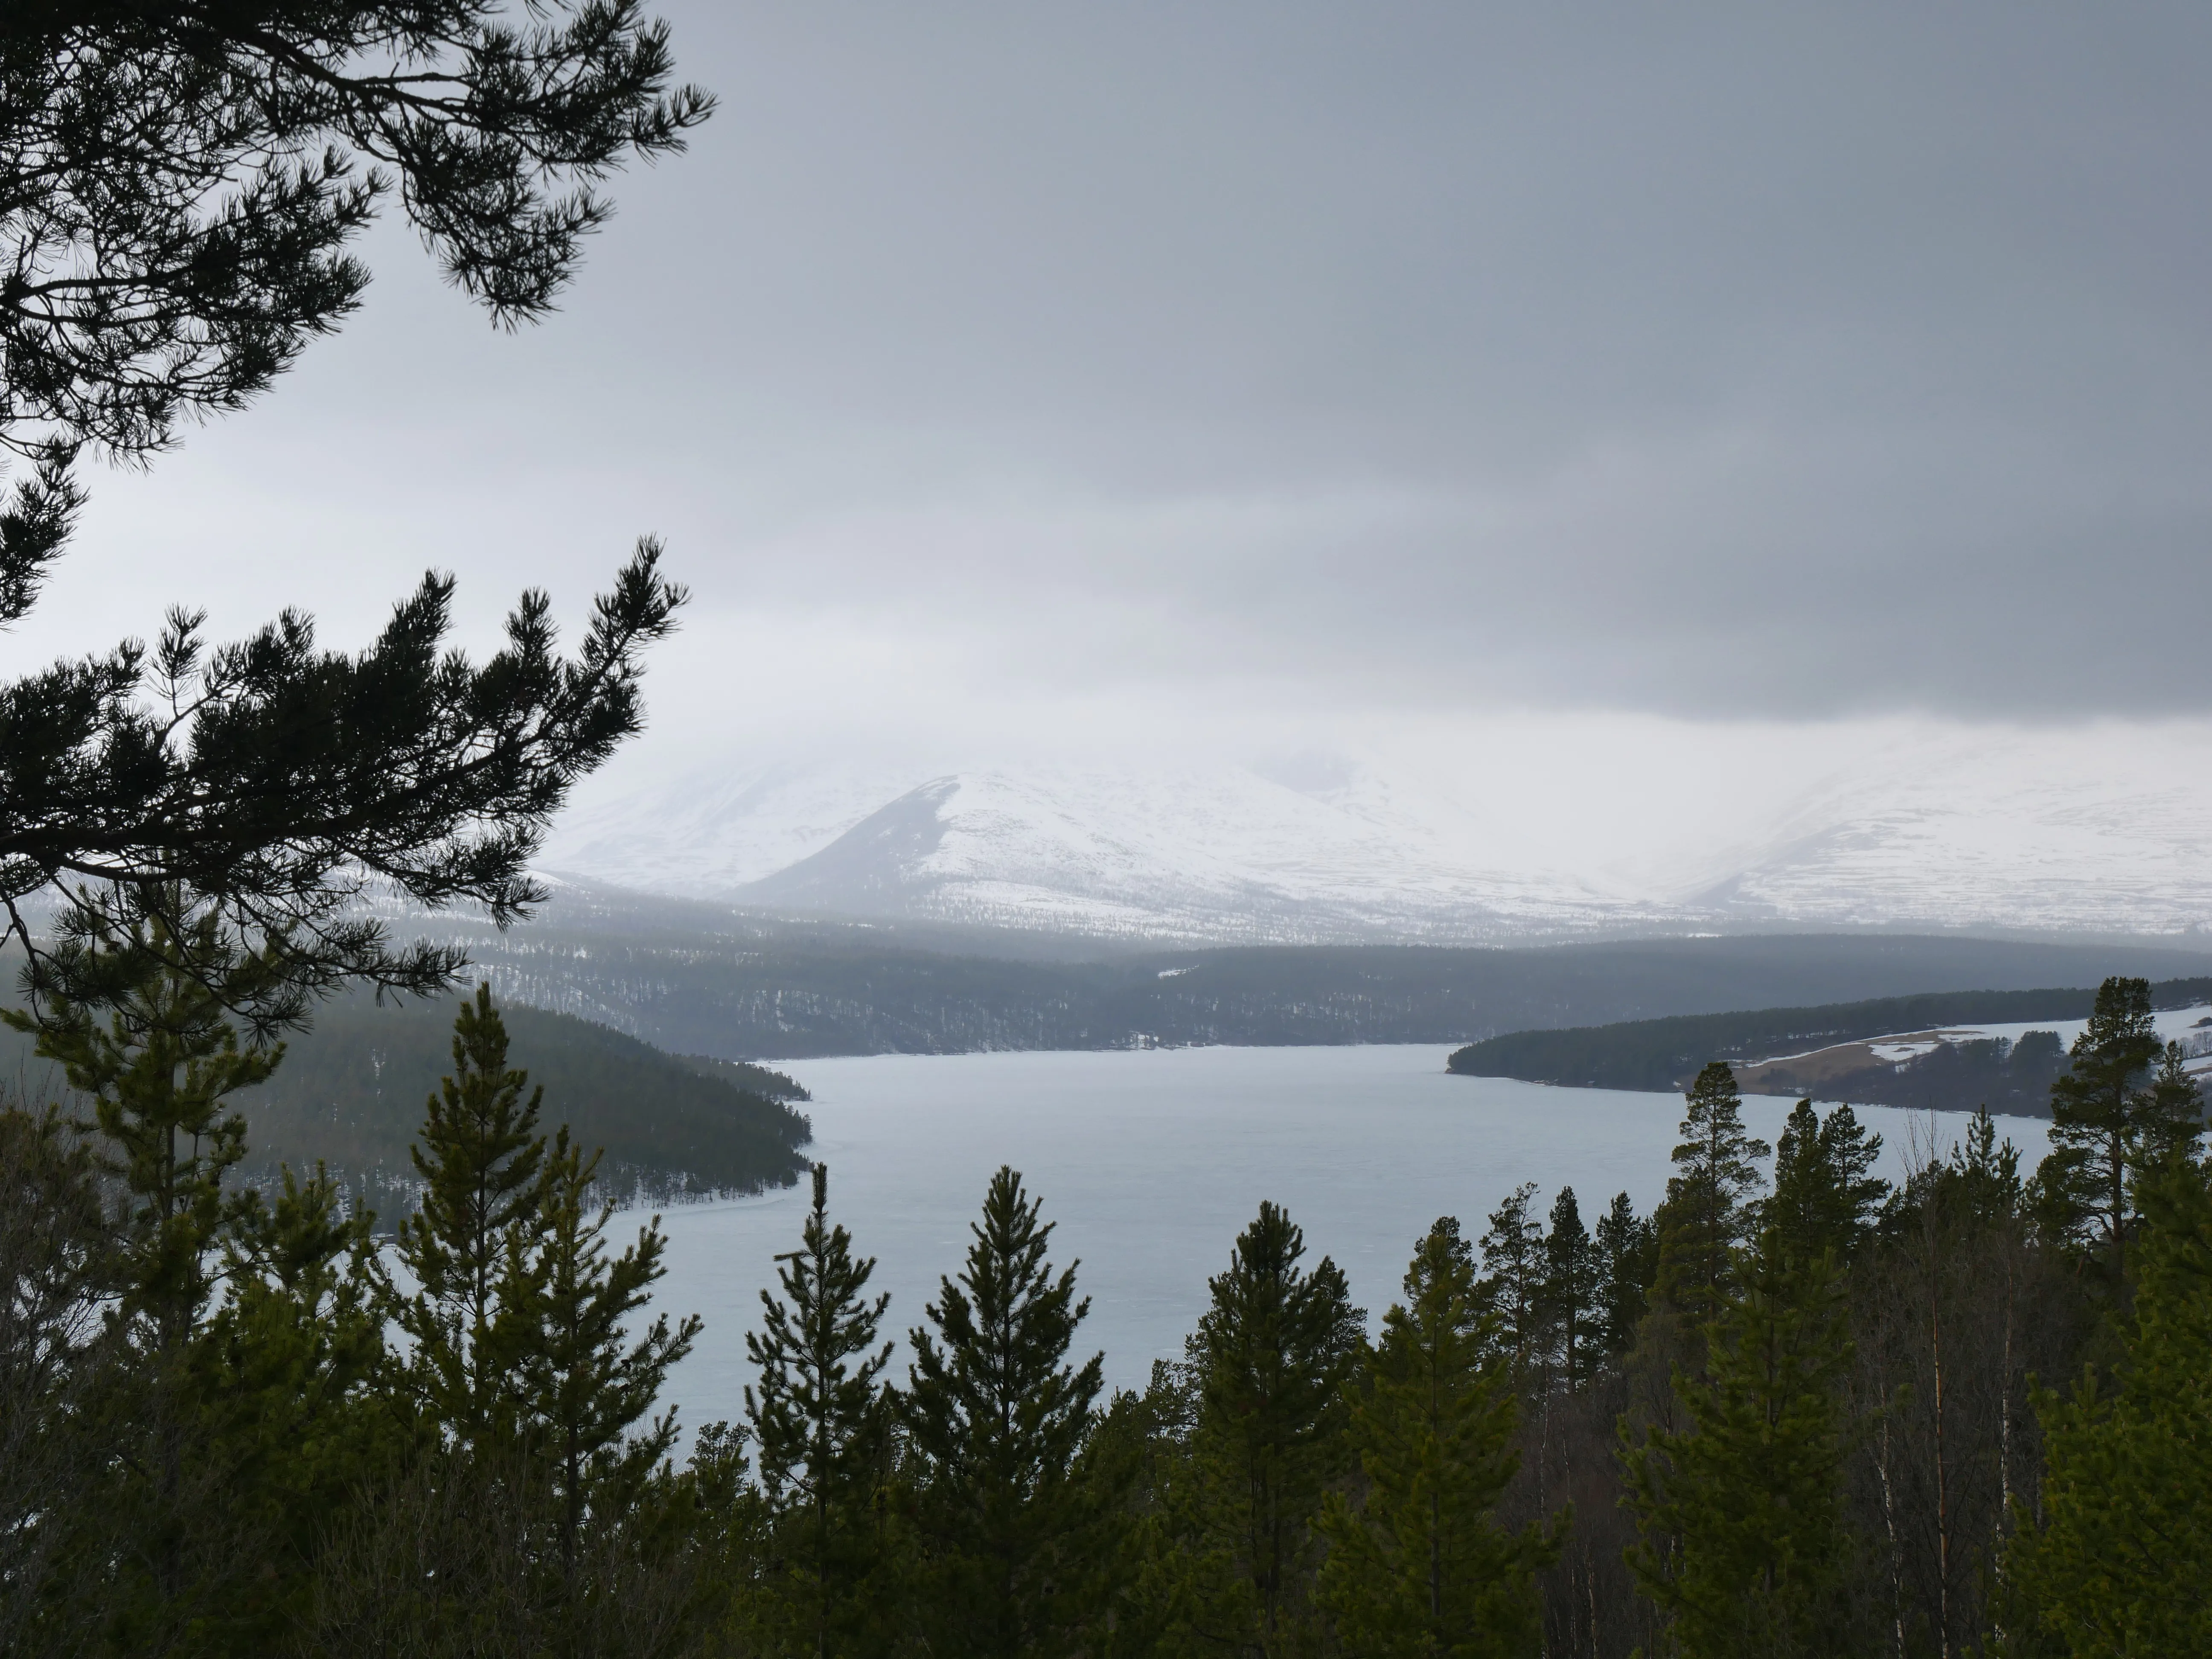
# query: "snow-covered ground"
[[2068, 831]]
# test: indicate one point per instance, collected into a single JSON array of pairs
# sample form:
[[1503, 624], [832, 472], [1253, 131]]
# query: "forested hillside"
[[695, 978], [349, 1091], [1663, 1054]]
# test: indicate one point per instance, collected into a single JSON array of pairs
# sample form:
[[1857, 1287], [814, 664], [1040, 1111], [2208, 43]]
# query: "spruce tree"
[[2097, 1110], [1627, 1264], [1573, 1270], [1422, 1568], [1706, 1215], [2121, 1563], [469, 1247], [996, 1420], [1269, 1362], [1514, 1278], [1740, 1515], [1824, 1197], [587, 1378], [820, 1417]]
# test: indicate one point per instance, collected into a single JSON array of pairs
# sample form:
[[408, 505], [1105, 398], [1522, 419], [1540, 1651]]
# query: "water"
[[1152, 1163]]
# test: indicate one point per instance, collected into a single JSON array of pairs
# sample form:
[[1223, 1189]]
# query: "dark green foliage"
[[1421, 1568], [350, 1091], [182, 182], [996, 1420], [2103, 1118], [698, 978], [2169, 1115], [1574, 1286], [822, 1421], [753, 1079], [1516, 1278], [2012, 1079], [483, 1165], [1269, 1365], [2121, 1560], [349, 1094], [1826, 1197], [1627, 1266], [1662, 1054], [303, 775], [1707, 1213], [1744, 1547], [588, 1379], [178, 188]]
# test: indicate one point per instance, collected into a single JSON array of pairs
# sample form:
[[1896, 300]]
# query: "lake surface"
[[1152, 1162]]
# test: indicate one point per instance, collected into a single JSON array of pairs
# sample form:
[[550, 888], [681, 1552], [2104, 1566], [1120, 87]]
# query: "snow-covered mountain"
[[2072, 833]]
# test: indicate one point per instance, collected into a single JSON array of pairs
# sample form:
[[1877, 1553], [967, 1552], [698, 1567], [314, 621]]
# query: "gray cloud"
[[1767, 360]]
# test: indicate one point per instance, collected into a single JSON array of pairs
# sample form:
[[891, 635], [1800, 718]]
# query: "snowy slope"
[[2080, 831]]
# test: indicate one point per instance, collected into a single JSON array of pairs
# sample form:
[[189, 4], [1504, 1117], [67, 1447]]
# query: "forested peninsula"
[[1661, 1055]]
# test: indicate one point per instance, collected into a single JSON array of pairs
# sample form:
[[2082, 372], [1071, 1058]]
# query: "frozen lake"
[[1152, 1162]]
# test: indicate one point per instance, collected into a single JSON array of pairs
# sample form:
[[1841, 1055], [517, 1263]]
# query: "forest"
[[1665, 1054], [1795, 1410]]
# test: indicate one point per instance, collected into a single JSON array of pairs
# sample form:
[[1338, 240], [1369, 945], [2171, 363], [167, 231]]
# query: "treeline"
[[1660, 1055], [1785, 1413], [694, 978], [2009, 1078], [348, 1094]]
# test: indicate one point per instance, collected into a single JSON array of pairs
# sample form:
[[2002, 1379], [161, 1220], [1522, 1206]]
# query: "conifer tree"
[[1270, 1361], [820, 1417], [1514, 1278], [228, 1422], [1706, 1216], [1422, 1568], [588, 1379], [2097, 1110], [159, 1069], [1740, 1515], [1987, 1172], [2169, 1114], [1824, 1197], [468, 1248], [1572, 1283], [1628, 1263], [2123, 1561], [996, 1420]]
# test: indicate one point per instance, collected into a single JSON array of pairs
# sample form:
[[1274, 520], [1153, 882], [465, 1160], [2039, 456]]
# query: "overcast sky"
[[1129, 368]]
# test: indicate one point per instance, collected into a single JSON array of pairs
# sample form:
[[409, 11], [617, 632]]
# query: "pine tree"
[[1824, 1197], [820, 1416], [2122, 1562], [1422, 1569], [2097, 1107], [1627, 1265], [1740, 1516], [157, 1058], [1986, 1173], [229, 1406], [1573, 1269], [469, 1247], [2169, 1114], [996, 1420], [588, 1380], [1514, 1275], [1269, 1364], [159, 1071], [1706, 1213]]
